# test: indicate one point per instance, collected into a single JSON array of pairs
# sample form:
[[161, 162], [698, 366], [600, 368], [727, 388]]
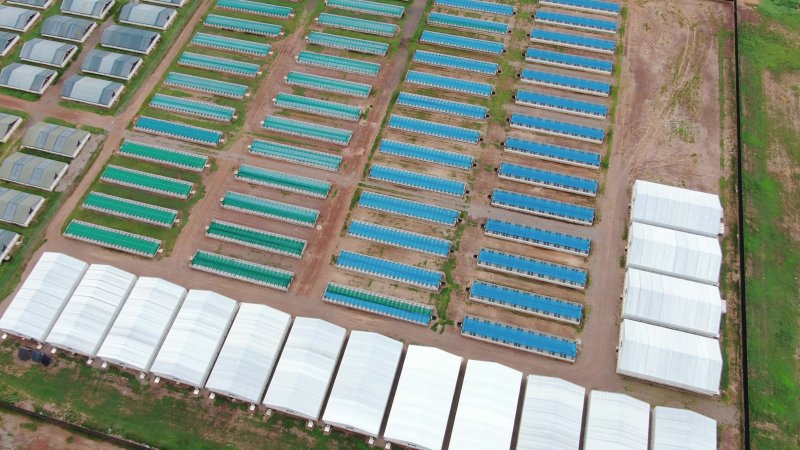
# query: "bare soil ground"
[[667, 129], [18, 432]]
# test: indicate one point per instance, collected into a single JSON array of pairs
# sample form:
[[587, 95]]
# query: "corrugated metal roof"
[[26, 77], [91, 90], [127, 38], [18, 207], [146, 15], [45, 51], [112, 64], [57, 139], [69, 28], [91, 8], [32, 170], [18, 19]]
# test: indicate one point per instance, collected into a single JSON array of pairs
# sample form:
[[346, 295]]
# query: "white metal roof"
[[487, 407], [616, 422], [195, 337], [249, 353], [366, 374], [552, 414], [424, 398], [142, 324], [89, 313], [681, 429], [305, 368], [674, 253], [42, 296], [672, 302], [670, 357], [677, 208]]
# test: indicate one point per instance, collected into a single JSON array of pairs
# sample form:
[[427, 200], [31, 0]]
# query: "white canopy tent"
[[674, 253], [675, 428], [249, 353], [670, 357], [616, 422], [677, 208], [672, 302], [552, 414], [487, 407], [423, 399], [195, 338], [90, 312], [305, 368], [365, 378], [42, 296], [142, 324]]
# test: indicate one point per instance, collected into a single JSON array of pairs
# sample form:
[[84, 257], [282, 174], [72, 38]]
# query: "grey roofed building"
[[176, 3], [111, 64], [55, 139], [8, 240], [33, 171], [24, 77], [17, 19], [96, 9], [8, 123], [47, 52], [18, 207], [130, 39], [145, 15], [38, 4], [7, 42], [68, 28], [92, 91]]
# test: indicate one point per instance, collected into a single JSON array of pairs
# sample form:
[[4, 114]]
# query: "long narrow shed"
[[360, 394], [90, 312], [56, 139], [616, 422], [249, 353], [42, 296], [33, 171], [552, 414], [424, 398], [191, 346], [19, 208], [677, 208], [305, 368], [675, 428], [142, 324]]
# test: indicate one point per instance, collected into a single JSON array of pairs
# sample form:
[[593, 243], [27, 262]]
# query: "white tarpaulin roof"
[[366, 374], [670, 357], [676, 208], [142, 324], [42, 296], [672, 302], [487, 407], [195, 337], [249, 353], [91, 310], [674, 253], [424, 398], [616, 422], [683, 430], [305, 368], [552, 414]]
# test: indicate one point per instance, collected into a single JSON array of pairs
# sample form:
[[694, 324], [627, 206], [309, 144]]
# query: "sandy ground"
[[667, 129], [18, 432]]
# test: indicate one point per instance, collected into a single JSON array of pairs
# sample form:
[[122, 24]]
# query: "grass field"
[[768, 49], [165, 417]]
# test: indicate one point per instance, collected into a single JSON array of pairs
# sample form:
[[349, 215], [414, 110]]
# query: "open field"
[[673, 123], [770, 67]]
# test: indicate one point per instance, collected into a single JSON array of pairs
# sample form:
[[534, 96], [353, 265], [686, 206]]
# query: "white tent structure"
[[672, 302], [616, 422], [365, 378], [552, 414], [305, 368], [249, 353], [423, 399], [487, 407], [674, 253], [42, 296], [677, 208], [90, 312], [675, 428], [195, 338], [671, 357], [142, 324]]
